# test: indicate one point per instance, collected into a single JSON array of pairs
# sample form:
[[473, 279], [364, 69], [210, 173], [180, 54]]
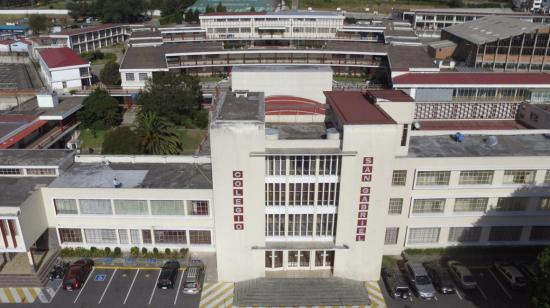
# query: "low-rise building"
[[90, 38], [64, 69]]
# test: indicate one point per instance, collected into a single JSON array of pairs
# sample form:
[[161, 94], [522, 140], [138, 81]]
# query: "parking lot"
[[491, 291], [125, 288]]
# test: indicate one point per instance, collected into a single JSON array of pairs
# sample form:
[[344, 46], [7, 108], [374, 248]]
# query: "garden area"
[[170, 121], [135, 256]]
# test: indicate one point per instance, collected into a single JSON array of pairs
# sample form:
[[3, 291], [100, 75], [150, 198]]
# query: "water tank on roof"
[[333, 134], [492, 140], [271, 134]]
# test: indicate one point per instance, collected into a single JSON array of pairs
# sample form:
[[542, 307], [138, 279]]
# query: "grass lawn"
[[89, 141], [350, 79], [191, 138], [210, 78], [57, 5]]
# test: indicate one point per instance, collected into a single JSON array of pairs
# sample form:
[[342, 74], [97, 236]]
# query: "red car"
[[77, 274]]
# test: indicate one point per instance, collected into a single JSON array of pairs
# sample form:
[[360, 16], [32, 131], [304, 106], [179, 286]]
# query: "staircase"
[[37, 279], [300, 292]]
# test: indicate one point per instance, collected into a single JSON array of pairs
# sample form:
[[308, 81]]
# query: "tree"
[[38, 23], [157, 135], [252, 9], [221, 8], [109, 74], [171, 96], [121, 140], [456, 3], [209, 9], [540, 288], [99, 111]]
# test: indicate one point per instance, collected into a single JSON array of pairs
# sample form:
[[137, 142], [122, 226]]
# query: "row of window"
[[134, 236], [132, 76], [434, 206], [27, 171], [467, 234], [131, 207], [303, 165], [300, 225], [274, 259], [473, 177], [301, 194]]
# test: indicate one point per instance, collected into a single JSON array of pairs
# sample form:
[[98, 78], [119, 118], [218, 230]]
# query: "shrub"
[[155, 251], [117, 252], [144, 251], [66, 252], [183, 252], [107, 251], [167, 252], [134, 251]]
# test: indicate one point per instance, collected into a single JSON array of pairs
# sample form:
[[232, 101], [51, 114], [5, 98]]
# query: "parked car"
[[441, 278], [77, 274], [462, 275], [168, 275], [59, 270], [419, 279], [396, 284], [193, 280], [527, 269], [511, 274]]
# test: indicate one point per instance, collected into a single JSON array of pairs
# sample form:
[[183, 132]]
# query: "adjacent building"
[[89, 38], [63, 69]]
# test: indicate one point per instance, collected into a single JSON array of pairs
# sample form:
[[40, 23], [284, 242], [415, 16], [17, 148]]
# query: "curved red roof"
[[61, 57], [292, 105]]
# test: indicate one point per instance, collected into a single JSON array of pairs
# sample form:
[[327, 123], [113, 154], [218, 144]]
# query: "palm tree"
[[157, 136]]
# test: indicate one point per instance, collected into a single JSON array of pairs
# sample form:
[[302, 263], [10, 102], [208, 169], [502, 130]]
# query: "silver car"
[[462, 275], [420, 281]]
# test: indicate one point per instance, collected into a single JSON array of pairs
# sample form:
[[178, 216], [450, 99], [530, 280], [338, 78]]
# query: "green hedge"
[[135, 252]]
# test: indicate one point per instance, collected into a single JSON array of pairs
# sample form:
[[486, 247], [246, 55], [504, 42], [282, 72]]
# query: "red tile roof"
[[352, 107], [61, 57], [292, 105], [390, 95], [22, 134], [87, 29], [457, 125], [472, 78]]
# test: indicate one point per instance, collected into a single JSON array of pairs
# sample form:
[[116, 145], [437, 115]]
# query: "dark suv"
[[168, 275], [441, 278], [77, 274], [396, 284]]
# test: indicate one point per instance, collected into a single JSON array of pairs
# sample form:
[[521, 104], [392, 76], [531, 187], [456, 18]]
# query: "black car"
[[168, 275], [441, 278], [396, 283]]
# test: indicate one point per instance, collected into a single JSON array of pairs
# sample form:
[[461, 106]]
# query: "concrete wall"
[[32, 219], [136, 83]]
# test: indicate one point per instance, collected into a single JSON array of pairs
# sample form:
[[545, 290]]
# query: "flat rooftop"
[[142, 175], [487, 11], [148, 57], [15, 190], [248, 106], [50, 157], [353, 108], [459, 125], [299, 131], [492, 28], [477, 146], [15, 76], [473, 79]]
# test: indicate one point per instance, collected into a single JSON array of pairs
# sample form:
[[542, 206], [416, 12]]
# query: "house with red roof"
[[64, 69]]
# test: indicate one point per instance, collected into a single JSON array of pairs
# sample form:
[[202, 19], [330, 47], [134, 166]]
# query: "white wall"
[[136, 83], [32, 218]]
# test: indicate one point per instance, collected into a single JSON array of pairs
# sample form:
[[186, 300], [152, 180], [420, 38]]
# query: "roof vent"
[[416, 125], [332, 134], [241, 93], [458, 137], [491, 141], [271, 134]]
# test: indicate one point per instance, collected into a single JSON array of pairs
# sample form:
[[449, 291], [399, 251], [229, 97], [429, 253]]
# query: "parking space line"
[[131, 286], [178, 291], [154, 288], [85, 283], [481, 292], [500, 284], [435, 297], [107, 287], [458, 294]]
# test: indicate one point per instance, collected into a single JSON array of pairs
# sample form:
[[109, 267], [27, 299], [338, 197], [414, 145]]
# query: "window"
[[302, 165], [422, 206], [131, 207], [168, 207], [399, 177], [391, 236], [275, 165], [477, 177], [100, 236], [199, 208], [540, 233], [65, 206], [505, 234], [324, 258], [200, 237], [146, 235], [547, 177], [301, 193], [512, 204], [143, 76], [41, 171], [519, 176], [130, 77], [67, 235], [170, 237], [396, 206], [123, 236], [292, 258], [304, 258], [11, 171], [300, 225], [471, 204], [64, 84], [329, 165], [404, 135], [328, 193], [423, 235], [426, 178], [544, 204], [326, 225], [95, 206], [275, 225], [464, 234], [274, 259], [275, 194]]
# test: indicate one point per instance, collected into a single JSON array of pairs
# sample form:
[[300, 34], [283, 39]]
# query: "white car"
[[462, 275], [511, 274]]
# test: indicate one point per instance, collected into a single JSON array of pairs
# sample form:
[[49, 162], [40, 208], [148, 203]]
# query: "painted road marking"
[[458, 294], [154, 288], [100, 277], [107, 287], [85, 283], [131, 286], [217, 294], [481, 291], [500, 284], [178, 291], [375, 294]]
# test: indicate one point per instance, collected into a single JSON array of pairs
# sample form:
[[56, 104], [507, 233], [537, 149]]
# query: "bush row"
[[135, 252]]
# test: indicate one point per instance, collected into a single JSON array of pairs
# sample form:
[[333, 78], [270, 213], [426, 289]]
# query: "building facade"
[[90, 38], [63, 69]]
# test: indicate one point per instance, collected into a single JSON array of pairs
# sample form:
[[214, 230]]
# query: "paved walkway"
[[24, 295]]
